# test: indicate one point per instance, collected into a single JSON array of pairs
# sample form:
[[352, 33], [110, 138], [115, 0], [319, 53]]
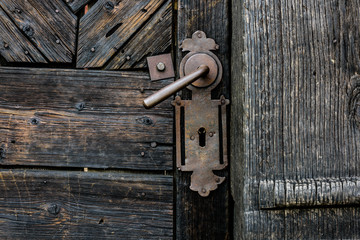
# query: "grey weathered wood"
[[49, 25], [309, 192], [153, 38], [39, 204], [76, 5], [77, 118], [198, 217], [15, 47], [108, 26], [291, 118]]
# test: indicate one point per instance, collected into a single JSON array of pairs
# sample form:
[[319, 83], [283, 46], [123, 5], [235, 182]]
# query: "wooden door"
[[79, 155], [296, 101]]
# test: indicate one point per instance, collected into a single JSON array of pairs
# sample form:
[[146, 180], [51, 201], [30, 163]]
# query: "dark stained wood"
[[49, 25], [153, 38], [291, 122], [198, 217], [15, 47], [76, 5], [74, 118], [57, 204], [108, 26]]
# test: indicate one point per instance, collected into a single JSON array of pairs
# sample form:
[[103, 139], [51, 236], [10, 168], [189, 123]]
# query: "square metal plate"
[[161, 67]]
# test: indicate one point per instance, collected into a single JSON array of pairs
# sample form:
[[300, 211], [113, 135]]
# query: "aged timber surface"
[[295, 119], [78, 118], [49, 25], [108, 25], [79, 205], [205, 218]]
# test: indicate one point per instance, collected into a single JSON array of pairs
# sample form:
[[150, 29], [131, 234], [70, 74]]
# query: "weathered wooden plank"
[[15, 47], [76, 5], [49, 25], [56, 204], [310, 192], [204, 218], [291, 109], [108, 26], [74, 118], [153, 38]]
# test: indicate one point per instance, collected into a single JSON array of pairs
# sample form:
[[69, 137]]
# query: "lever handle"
[[176, 86]]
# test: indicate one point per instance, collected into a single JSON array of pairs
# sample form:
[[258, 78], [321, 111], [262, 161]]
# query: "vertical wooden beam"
[[198, 217]]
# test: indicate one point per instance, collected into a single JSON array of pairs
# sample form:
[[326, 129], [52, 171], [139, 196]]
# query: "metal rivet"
[[211, 134], [92, 49], [57, 10], [203, 190], [142, 154], [161, 66], [26, 52], [223, 101], [57, 41], [18, 10], [153, 144], [54, 209], [143, 194], [192, 137], [199, 35], [45, 182], [6, 45], [128, 58]]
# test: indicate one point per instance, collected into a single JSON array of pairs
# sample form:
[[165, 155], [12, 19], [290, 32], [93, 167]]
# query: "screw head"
[[153, 144], [128, 58], [192, 137], [57, 41], [223, 101], [26, 52], [211, 134], [92, 49], [142, 154], [199, 35], [203, 190], [161, 66], [57, 10]]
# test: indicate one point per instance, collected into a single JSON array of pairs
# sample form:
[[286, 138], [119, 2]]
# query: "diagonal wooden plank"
[[38, 204], [50, 25], [15, 47], [153, 38], [76, 5], [108, 25]]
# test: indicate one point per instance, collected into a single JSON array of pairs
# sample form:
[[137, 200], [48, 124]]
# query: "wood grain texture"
[[108, 26], [204, 218], [153, 38], [74, 118], [76, 5], [49, 25], [298, 57], [77, 205], [309, 193], [15, 47]]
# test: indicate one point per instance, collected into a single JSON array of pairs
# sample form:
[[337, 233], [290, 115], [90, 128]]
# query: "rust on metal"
[[161, 67]]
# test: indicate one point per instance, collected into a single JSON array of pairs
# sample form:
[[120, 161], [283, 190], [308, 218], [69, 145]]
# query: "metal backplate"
[[161, 67], [201, 141]]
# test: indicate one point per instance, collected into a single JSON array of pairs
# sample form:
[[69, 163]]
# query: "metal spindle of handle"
[[176, 86]]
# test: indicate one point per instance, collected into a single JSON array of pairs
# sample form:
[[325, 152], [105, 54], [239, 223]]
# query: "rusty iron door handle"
[[176, 86]]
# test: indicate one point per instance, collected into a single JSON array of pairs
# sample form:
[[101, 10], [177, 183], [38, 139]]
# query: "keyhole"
[[202, 135]]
